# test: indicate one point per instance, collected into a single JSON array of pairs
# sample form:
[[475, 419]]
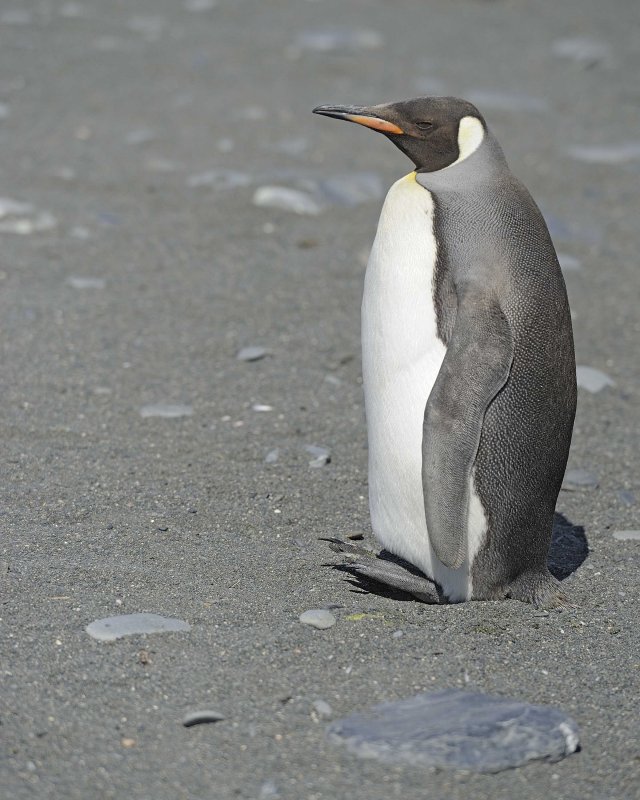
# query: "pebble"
[[198, 6], [318, 618], [606, 154], [219, 179], [4, 111], [201, 717], [268, 790], [506, 101], [627, 535], [582, 50], [579, 479], [272, 456], [593, 380], [251, 353], [86, 283], [260, 407], [111, 628], [321, 455], [569, 263], [322, 709], [286, 199], [626, 497], [331, 40], [454, 729], [42, 221], [347, 190], [166, 410]]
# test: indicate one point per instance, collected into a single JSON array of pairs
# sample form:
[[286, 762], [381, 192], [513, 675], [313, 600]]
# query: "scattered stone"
[[86, 283], [606, 154], [201, 718], [198, 6], [569, 263], [506, 101], [23, 218], [356, 535], [166, 410], [219, 179], [268, 790], [347, 190], [576, 479], [127, 742], [251, 353], [582, 50], [80, 232], [15, 16], [261, 407], [627, 497], [322, 709], [144, 657], [272, 456], [140, 136], [159, 164], [286, 199], [454, 729], [593, 380], [397, 634], [111, 628], [333, 40], [321, 455], [627, 536], [318, 618], [4, 111]]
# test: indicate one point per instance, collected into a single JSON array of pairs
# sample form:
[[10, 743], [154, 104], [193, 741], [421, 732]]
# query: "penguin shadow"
[[568, 551]]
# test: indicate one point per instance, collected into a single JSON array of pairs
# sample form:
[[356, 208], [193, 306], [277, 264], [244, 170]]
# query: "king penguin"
[[468, 366]]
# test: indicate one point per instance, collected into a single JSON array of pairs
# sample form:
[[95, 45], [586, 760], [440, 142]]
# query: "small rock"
[[318, 618], [626, 497], [332, 40], [166, 410], [582, 50], [321, 455], [593, 380], [346, 190], [575, 479], [127, 742], [397, 634], [86, 283], [201, 718], [272, 456], [4, 111], [322, 709], [454, 729], [261, 407], [251, 353], [111, 628], [505, 101], [219, 179], [286, 199], [606, 154], [627, 535], [268, 790], [198, 6]]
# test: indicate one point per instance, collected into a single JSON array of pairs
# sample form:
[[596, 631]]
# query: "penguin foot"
[[348, 549], [540, 589]]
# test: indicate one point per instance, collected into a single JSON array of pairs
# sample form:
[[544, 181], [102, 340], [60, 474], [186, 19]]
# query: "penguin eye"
[[424, 125]]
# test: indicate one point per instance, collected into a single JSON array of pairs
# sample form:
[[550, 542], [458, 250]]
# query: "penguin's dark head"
[[434, 132]]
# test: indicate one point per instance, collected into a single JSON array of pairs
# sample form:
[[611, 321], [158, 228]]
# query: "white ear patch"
[[470, 136]]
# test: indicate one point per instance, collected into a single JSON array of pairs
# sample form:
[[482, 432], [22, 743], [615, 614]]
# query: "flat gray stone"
[[321, 455], [627, 535], [576, 479], [286, 199], [318, 618], [111, 628], [454, 729], [593, 380], [166, 410], [252, 353], [201, 718]]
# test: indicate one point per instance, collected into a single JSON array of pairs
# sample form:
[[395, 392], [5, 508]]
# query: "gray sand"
[[106, 512]]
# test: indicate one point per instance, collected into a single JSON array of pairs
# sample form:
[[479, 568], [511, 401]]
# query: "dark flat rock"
[[453, 729]]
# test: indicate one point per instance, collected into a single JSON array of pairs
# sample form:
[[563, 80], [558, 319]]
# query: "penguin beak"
[[360, 114]]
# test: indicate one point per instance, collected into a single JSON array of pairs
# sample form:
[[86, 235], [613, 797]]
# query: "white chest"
[[401, 357]]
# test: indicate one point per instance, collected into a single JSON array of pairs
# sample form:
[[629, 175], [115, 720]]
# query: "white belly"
[[401, 358]]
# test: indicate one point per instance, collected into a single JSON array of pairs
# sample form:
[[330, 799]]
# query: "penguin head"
[[435, 132]]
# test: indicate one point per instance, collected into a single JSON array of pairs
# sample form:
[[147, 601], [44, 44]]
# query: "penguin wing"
[[475, 368]]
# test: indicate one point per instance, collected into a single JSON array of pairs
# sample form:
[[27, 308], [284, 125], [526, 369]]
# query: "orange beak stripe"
[[375, 123]]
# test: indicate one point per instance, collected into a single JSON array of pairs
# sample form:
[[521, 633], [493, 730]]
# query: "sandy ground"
[[109, 109]]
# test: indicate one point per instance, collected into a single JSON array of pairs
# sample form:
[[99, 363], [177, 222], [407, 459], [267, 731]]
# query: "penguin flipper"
[[475, 368]]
